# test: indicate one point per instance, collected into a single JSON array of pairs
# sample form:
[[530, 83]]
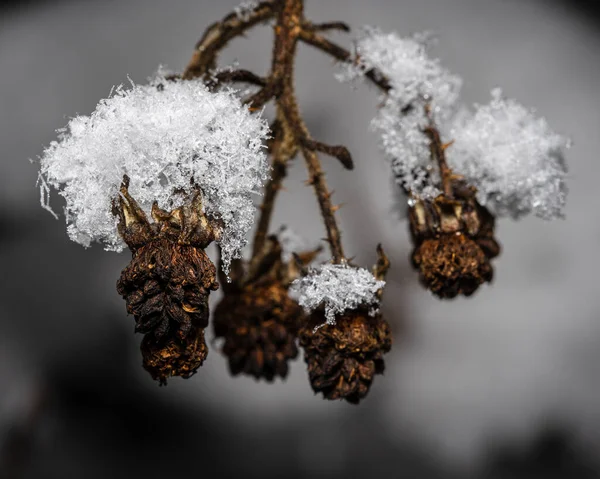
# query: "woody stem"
[[287, 32], [277, 86], [282, 149], [438, 154]]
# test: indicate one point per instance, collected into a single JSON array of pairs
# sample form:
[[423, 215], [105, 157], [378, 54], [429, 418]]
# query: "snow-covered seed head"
[[513, 158], [416, 80], [337, 288], [170, 138], [343, 360]]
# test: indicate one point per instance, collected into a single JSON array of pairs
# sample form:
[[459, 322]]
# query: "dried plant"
[[169, 167]]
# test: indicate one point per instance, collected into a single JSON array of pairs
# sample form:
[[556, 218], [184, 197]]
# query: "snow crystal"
[[244, 9], [291, 242], [416, 80], [162, 135], [336, 287], [513, 158]]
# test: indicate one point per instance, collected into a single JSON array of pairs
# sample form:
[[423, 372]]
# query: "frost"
[[336, 287], [164, 136], [513, 158], [416, 80], [244, 9], [291, 242]]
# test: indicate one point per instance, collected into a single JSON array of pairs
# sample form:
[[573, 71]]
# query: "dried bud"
[[257, 319], [344, 358], [454, 242], [173, 356], [167, 283], [259, 325]]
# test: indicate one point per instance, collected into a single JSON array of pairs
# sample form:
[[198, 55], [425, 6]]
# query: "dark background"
[[502, 385]]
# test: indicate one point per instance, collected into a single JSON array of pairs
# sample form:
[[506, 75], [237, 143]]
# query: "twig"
[[310, 36], [236, 76], [317, 178], [217, 36], [323, 27], [278, 86], [438, 154], [282, 149]]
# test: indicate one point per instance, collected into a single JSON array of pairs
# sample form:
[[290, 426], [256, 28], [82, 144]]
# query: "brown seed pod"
[[256, 318], [344, 358], [172, 355], [454, 242], [259, 325], [167, 283], [166, 287]]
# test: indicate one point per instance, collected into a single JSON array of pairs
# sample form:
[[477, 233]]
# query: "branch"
[[438, 154], [282, 149], [217, 36], [341, 54], [317, 179], [236, 76], [323, 27], [340, 152]]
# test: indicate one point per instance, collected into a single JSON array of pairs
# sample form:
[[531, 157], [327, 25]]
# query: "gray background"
[[504, 384]]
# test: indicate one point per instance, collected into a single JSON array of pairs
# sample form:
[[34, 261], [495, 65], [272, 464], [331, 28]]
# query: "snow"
[[162, 135], [513, 158], [338, 288]]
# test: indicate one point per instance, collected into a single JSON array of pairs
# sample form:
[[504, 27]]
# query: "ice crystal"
[[244, 9], [513, 158], [336, 287], [165, 136], [416, 81], [292, 242]]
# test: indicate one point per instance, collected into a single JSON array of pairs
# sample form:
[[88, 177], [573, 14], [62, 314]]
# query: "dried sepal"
[[344, 358], [187, 225], [453, 241]]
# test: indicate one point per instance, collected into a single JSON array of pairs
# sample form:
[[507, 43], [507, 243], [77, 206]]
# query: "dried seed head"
[[166, 287], [167, 282], [454, 242], [452, 264], [257, 318], [344, 358], [173, 356], [259, 325]]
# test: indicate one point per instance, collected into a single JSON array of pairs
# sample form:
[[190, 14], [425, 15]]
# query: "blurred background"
[[502, 385]]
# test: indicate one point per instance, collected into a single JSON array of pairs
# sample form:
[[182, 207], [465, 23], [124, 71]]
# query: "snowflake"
[[336, 287], [164, 136]]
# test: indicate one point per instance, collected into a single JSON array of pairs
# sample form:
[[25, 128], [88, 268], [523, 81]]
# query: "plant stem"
[[282, 149], [217, 36], [438, 154], [310, 36], [278, 86], [287, 32]]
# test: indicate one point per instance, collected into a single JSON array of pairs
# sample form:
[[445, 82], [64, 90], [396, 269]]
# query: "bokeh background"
[[503, 385]]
